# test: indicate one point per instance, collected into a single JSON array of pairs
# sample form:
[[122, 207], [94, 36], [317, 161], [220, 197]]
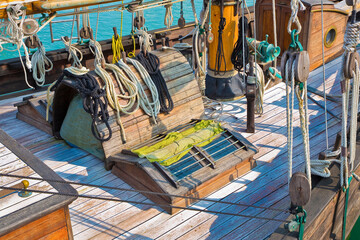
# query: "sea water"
[[104, 23]]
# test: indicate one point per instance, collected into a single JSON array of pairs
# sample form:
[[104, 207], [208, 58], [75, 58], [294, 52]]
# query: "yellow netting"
[[177, 144]]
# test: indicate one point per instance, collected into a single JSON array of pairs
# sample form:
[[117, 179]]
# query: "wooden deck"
[[265, 185]]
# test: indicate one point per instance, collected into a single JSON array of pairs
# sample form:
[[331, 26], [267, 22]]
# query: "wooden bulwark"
[[310, 35]]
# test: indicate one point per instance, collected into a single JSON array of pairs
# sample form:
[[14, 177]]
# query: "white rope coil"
[[151, 108], [11, 31], [145, 40], [169, 18], [41, 64]]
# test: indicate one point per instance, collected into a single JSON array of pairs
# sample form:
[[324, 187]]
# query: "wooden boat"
[[335, 19], [230, 197]]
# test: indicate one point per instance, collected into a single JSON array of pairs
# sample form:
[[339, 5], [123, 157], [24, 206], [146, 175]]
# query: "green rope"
[[346, 206]]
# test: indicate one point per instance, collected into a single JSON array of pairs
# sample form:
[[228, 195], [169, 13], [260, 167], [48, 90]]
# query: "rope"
[[144, 203], [354, 116], [289, 115], [324, 82], [141, 191], [241, 50], [145, 40], [260, 89], [13, 33], [41, 64], [150, 108], [220, 49], [94, 99], [116, 43], [74, 53], [294, 5], [100, 69], [169, 18], [199, 59], [274, 26], [152, 65], [351, 40]]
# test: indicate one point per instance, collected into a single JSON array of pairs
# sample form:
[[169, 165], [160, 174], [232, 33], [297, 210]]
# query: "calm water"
[[154, 20]]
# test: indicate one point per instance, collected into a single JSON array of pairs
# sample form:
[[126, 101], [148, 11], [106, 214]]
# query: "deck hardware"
[[32, 42], [86, 32], [298, 222], [25, 193], [181, 21], [166, 174], [209, 161], [300, 189], [349, 64], [30, 26]]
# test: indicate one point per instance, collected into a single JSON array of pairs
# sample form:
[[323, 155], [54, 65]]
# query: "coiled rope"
[[241, 49], [152, 65], [94, 99], [11, 31], [220, 58], [41, 64], [145, 40], [151, 108], [169, 18], [100, 69]]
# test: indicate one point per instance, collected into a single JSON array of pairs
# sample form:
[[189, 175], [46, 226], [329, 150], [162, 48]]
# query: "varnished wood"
[[44, 228], [310, 35]]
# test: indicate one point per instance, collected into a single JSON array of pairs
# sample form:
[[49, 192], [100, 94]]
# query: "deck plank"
[[265, 185]]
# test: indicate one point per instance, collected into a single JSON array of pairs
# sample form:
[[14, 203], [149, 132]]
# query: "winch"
[[266, 52]]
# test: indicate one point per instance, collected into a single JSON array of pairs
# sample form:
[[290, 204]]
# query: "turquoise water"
[[154, 20]]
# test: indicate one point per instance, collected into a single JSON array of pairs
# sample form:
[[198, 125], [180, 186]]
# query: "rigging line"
[[275, 30], [324, 81], [97, 22], [145, 203], [139, 191]]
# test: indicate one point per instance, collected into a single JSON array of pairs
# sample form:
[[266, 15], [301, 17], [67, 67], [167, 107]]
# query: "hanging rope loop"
[[295, 4]]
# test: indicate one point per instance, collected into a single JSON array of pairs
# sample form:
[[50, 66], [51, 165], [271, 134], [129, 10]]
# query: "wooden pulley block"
[[32, 42], [139, 22], [284, 59], [86, 32], [302, 66], [299, 189], [349, 64], [210, 37], [287, 55], [350, 2], [181, 22], [30, 26], [202, 42]]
